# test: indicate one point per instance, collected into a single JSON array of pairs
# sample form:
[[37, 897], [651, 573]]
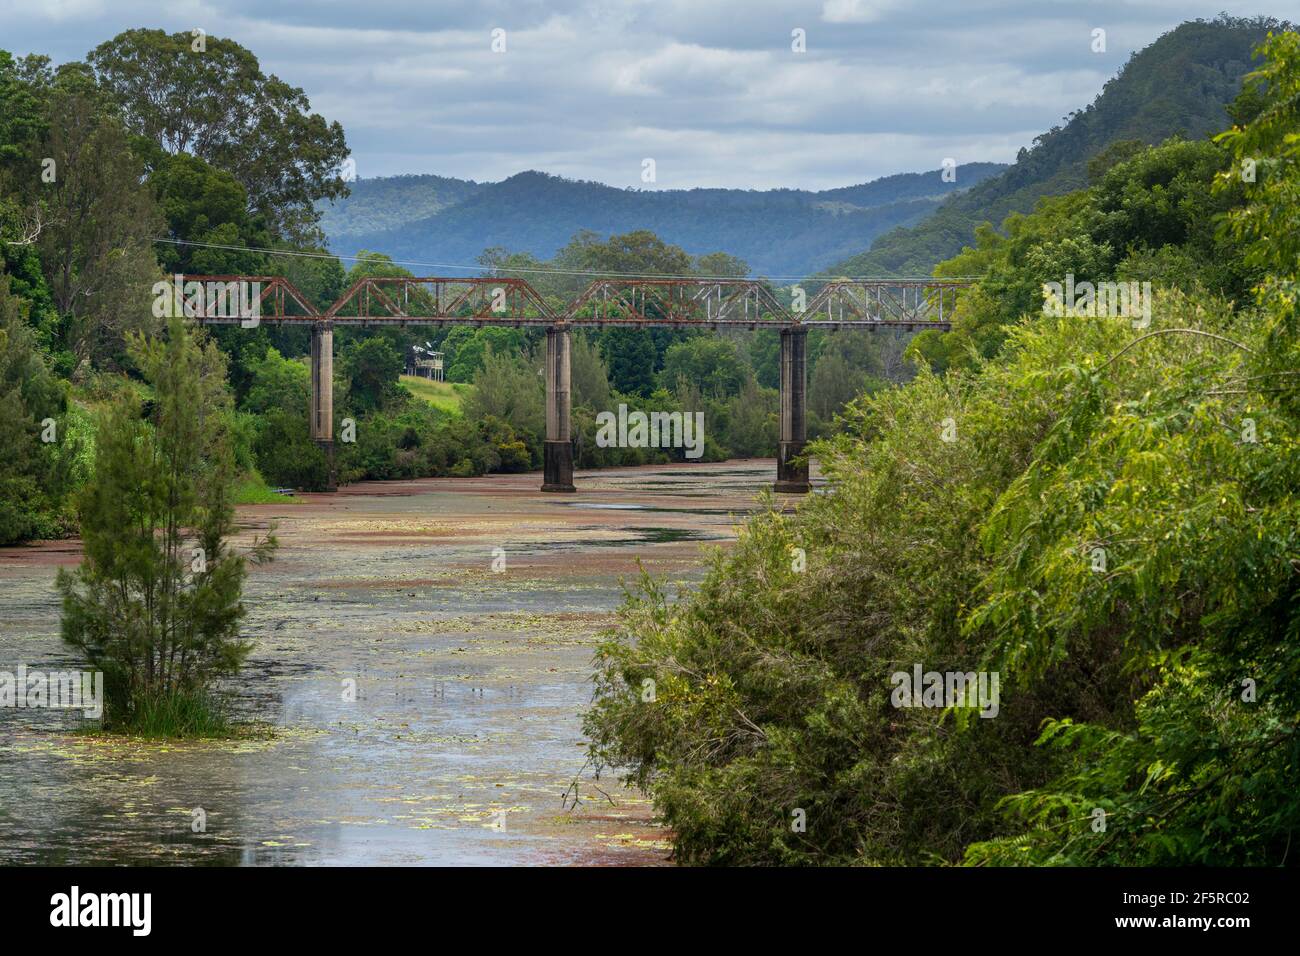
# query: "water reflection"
[[465, 728]]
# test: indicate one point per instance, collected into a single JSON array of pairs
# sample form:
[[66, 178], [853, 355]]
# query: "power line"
[[562, 272]]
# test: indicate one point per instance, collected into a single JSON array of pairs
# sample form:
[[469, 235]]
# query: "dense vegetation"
[[780, 232], [99, 161], [1176, 86], [1103, 515]]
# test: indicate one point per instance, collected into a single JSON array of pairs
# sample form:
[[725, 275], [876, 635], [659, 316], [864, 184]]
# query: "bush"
[[286, 456]]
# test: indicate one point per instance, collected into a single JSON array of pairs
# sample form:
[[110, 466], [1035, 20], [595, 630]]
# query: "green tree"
[[509, 388], [203, 204], [215, 103], [22, 121], [721, 264], [97, 247], [23, 85], [587, 371], [317, 274], [712, 363], [277, 382], [639, 252], [1204, 596], [765, 357], [749, 422], [155, 604], [834, 383], [33, 473], [286, 455], [1102, 516], [630, 355], [371, 368], [466, 348]]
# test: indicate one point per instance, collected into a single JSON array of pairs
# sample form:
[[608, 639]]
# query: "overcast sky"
[[711, 91]]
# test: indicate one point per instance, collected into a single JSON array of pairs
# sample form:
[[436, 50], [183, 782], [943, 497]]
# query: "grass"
[[446, 396], [176, 714], [252, 489]]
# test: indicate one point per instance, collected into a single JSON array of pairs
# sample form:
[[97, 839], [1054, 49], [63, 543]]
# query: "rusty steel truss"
[[910, 304]]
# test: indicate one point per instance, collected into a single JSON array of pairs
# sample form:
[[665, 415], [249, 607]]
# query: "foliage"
[[587, 372], [1104, 516], [96, 247], [203, 204], [840, 367], [706, 360], [35, 476], [510, 389], [630, 355], [1149, 218], [215, 103], [371, 367], [1204, 603], [466, 347], [155, 604]]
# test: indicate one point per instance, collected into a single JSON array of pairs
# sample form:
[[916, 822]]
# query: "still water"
[[470, 683]]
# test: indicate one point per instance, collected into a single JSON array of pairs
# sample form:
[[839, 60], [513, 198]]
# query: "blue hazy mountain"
[[790, 232]]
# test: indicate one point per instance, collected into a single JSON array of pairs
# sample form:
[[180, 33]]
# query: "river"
[[465, 732]]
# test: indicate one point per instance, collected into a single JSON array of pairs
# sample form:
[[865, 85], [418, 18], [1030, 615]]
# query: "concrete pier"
[[791, 479], [321, 412], [558, 463]]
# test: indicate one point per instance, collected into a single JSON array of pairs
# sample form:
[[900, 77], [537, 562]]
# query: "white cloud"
[[712, 91], [856, 11]]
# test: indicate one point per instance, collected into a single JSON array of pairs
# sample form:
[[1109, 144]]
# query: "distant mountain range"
[[786, 232], [898, 225]]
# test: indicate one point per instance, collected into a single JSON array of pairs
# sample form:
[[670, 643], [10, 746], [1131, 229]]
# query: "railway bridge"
[[634, 302]]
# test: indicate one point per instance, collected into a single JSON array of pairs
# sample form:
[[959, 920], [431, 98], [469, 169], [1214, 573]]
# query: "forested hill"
[[778, 232], [1179, 85], [390, 201]]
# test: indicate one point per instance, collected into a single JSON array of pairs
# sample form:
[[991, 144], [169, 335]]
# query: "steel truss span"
[[908, 304]]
